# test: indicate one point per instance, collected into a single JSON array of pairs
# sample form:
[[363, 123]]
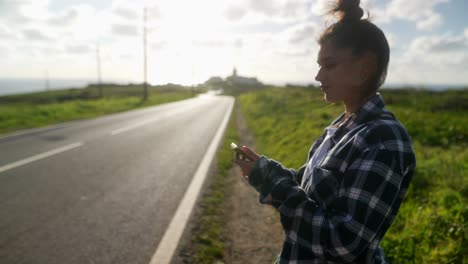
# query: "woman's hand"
[[247, 162]]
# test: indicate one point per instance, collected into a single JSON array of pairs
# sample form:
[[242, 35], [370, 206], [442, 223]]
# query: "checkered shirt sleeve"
[[336, 226]]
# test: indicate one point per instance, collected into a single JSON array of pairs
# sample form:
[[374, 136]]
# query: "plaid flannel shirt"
[[352, 197]]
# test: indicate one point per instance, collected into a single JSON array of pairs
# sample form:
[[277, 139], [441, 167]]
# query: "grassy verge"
[[45, 108], [208, 239], [431, 226]]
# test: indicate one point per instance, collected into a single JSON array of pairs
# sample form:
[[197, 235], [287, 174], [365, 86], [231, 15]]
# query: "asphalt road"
[[102, 190]]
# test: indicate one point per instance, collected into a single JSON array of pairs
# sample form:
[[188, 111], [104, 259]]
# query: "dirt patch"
[[253, 231]]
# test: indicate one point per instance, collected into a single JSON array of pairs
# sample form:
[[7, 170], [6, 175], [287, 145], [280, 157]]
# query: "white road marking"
[[170, 240], [40, 156]]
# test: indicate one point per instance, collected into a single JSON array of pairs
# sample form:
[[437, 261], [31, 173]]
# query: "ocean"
[[17, 86]]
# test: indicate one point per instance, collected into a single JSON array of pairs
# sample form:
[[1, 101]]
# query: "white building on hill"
[[240, 80]]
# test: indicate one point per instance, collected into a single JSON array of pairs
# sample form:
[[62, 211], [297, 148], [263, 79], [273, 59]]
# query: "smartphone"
[[241, 154]]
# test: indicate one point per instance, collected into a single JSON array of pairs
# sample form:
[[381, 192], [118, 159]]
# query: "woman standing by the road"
[[338, 206]]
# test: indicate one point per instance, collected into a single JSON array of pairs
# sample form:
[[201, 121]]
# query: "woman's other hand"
[[247, 162]]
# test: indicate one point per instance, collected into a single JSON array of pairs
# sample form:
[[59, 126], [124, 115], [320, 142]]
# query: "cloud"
[[11, 11], [238, 43], [63, 18], [235, 12], [35, 35], [430, 22], [432, 59], [6, 32], [86, 23], [439, 44], [220, 43], [392, 40], [211, 43], [267, 7], [321, 7], [37, 23], [133, 10], [157, 46], [294, 42], [126, 13], [33, 10], [303, 33], [8, 7], [4, 51], [79, 48], [128, 30], [258, 11], [153, 12], [422, 12]]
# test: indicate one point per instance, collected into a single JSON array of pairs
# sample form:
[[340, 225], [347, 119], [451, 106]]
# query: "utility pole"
[[193, 79], [98, 58], [47, 85], [145, 82]]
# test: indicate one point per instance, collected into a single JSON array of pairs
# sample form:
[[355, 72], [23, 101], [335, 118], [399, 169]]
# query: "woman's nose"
[[318, 77]]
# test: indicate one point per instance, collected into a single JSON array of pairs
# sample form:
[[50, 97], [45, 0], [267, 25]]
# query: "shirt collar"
[[369, 110]]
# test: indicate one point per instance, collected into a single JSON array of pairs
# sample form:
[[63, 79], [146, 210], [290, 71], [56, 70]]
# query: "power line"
[[145, 83]]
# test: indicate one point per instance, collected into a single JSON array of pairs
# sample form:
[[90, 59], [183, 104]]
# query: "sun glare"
[[190, 58]]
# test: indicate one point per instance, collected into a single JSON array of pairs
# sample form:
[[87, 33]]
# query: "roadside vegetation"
[[31, 110], [431, 226], [208, 238]]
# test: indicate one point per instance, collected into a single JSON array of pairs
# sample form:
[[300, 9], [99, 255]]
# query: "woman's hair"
[[359, 35]]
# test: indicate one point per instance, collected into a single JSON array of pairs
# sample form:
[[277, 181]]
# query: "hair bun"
[[348, 10]]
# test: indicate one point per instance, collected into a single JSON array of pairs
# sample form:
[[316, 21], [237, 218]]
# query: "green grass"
[[208, 239], [431, 226], [45, 108]]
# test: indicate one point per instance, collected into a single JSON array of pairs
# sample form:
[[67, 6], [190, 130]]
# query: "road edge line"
[[168, 244]]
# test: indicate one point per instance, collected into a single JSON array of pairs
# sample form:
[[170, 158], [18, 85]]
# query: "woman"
[[338, 206]]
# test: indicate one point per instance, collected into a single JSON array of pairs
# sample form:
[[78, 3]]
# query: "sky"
[[190, 41]]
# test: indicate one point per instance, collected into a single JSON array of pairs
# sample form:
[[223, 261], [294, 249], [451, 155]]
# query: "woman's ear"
[[368, 66]]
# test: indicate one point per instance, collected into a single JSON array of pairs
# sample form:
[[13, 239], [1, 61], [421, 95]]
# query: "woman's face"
[[341, 74]]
